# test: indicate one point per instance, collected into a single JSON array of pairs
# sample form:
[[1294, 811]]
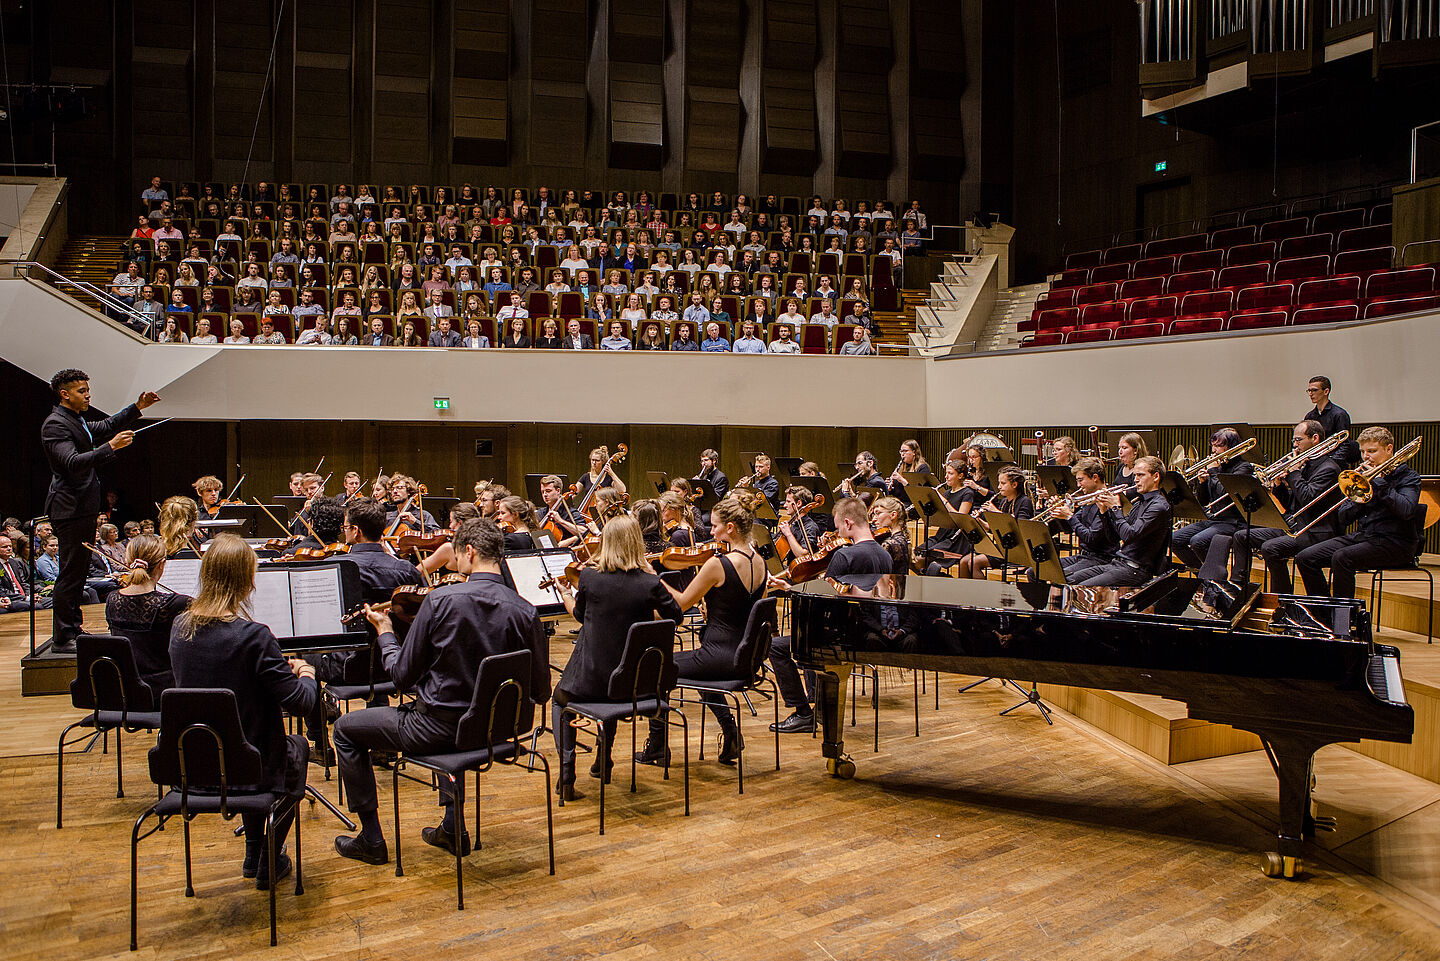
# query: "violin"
[[280, 543], [571, 576], [676, 558], [505, 527], [812, 566], [403, 605], [423, 542], [319, 554]]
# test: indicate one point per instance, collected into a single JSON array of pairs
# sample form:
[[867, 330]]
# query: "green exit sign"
[[442, 403], [1161, 166]]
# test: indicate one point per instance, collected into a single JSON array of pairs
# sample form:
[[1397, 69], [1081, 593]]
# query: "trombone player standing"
[[1389, 521]]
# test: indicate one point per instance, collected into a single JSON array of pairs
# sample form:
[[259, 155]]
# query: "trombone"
[[1291, 461], [1355, 485], [1216, 459]]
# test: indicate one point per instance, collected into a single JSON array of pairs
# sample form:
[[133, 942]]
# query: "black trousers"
[[1276, 554], [787, 676], [1344, 556], [385, 729], [73, 533], [712, 663], [1115, 574], [565, 736]]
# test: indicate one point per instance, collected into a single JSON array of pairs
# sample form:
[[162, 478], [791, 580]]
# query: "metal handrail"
[[107, 300]]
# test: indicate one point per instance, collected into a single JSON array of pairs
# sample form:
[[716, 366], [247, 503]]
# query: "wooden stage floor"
[[987, 837]]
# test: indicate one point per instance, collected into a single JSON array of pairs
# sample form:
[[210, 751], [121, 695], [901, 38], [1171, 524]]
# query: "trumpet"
[[1216, 459], [1291, 461], [1080, 500], [1355, 485]]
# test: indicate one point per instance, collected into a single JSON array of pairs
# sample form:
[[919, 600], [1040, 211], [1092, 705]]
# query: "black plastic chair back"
[[202, 744], [106, 678], [500, 708], [754, 647], [647, 663]]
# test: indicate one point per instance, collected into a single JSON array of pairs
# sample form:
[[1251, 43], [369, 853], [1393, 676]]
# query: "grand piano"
[[1299, 672]]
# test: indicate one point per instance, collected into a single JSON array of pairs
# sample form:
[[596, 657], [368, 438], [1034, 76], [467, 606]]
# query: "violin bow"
[[234, 489]]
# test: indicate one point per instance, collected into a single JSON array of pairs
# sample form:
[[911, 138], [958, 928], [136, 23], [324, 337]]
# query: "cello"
[[621, 451]]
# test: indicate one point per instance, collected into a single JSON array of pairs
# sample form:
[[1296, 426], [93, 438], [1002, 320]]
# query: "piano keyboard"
[[1384, 677]]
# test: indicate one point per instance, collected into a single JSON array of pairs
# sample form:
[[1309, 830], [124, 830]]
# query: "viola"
[[319, 554], [280, 543], [423, 542], [403, 605], [676, 558], [814, 564]]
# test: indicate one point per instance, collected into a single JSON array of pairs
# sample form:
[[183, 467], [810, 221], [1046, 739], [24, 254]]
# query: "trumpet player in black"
[[1144, 533], [1080, 514], [1297, 479], [1192, 541], [1382, 498]]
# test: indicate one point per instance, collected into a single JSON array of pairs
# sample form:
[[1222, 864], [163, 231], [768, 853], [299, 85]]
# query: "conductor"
[[74, 448]]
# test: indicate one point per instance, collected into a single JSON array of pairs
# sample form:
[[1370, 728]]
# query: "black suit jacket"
[[606, 604], [73, 454], [568, 343]]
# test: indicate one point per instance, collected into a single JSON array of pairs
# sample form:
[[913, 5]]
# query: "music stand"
[[993, 469], [819, 487], [1005, 533], [764, 512], [847, 469], [786, 468], [747, 458], [257, 520], [1183, 504], [765, 547], [1040, 548], [291, 503], [660, 479], [1055, 480], [976, 534], [928, 503], [707, 498]]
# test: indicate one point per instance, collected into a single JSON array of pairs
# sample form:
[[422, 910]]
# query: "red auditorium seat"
[[1143, 287], [1083, 260], [1233, 237], [1381, 214], [1390, 306], [1306, 246], [1243, 275], [1257, 320], [1072, 277], [1190, 282], [1095, 294], [1283, 229], [1110, 273], [1259, 253], [1269, 297], [1153, 309], [1329, 314], [1136, 331], [1301, 268], [1338, 220], [1176, 246], [1363, 238], [1412, 281], [1058, 320], [1153, 267], [1207, 302], [1209, 259], [1123, 254], [1109, 315], [1090, 335], [1364, 261], [1197, 325], [1056, 298], [1331, 290], [1044, 340]]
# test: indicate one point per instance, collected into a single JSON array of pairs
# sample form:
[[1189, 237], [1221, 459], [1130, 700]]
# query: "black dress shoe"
[[358, 850], [730, 745], [595, 769], [283, 866], [654, 752], [65, 646], [438, 837], [796, 723], [567, 792]]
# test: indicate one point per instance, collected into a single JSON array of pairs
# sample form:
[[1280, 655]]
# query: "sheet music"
[[182, 575], [315, 601], [528, 570], [270, 604]]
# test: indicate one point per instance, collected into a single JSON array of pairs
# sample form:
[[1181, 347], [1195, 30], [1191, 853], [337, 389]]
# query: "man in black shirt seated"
[[1098, 541], [866, 569], [1388, 526], [1192, 541], [1144, 533], [766, 483], [456, 627]]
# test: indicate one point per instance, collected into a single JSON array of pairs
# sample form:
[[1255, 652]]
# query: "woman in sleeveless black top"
[[730, 583]]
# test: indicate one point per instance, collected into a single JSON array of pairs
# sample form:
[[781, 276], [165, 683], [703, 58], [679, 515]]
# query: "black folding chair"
[[750, 672], [636, 689], [500, 714], [202, 749], [108, 685]]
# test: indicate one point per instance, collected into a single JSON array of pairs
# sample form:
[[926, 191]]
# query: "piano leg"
[[831, 682], [1293, 759]]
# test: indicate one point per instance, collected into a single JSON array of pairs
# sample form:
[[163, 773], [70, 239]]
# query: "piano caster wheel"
[[1275, 865], [843, 768]]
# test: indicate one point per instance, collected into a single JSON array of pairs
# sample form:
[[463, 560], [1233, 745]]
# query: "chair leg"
[[135, 875], [189, 879], [775, 703], [60, 774], [875, 706], [458, 802], [740, 736], [915, 684], [395, 794], [476, 845], [685, 741], [1430, 616], [274, 881], [634, 747], [603, 748], [299, 884]]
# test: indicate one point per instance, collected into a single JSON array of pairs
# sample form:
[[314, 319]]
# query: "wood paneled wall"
[[762, 96]]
